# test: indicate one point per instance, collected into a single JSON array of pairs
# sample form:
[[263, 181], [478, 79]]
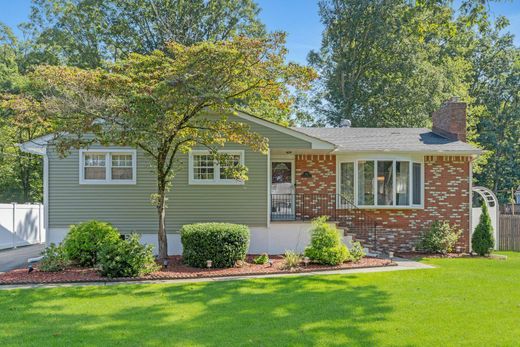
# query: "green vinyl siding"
[[128, 207]]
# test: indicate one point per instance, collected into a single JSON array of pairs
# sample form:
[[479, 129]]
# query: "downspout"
[[46, 197], [470, 203]]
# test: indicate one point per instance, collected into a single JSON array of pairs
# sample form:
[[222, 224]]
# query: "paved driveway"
[[17, 257]]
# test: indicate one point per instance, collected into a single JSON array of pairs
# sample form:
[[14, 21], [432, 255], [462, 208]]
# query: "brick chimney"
[[450, 120]]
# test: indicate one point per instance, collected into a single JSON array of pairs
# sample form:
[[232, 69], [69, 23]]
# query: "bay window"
[[106, 166], [384, 183], [347, 182], [402, 183], [204, 169], [365, 184]]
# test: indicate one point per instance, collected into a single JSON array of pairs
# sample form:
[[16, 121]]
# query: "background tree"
[[381, 63], [495, 91], [86, 33], [165, 103], [20, 173]]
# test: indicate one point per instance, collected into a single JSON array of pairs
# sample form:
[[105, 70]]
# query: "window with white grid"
[[105, 166], [204, 169]]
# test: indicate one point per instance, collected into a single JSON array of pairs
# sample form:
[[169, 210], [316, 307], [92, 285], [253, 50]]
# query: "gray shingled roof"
[[388, 139]]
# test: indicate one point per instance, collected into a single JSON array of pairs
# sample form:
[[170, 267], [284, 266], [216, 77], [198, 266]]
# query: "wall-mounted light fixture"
[[306, 174]]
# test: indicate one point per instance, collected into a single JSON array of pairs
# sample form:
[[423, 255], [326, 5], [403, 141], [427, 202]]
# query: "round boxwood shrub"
[[222, 243], [84, 240]]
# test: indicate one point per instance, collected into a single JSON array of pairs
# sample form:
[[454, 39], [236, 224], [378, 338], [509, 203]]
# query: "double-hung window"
[[204, 169], [102, 166], [381, 183]]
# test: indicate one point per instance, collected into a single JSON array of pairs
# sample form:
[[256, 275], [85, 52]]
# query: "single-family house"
[[382, 186]]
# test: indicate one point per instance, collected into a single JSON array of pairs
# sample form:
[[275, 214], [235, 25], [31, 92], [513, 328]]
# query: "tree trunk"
[[161, 210]]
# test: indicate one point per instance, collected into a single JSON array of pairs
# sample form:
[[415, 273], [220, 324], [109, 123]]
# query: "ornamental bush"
[[440, 238], [54, 259], [126, 258], [326, 246], [356, 251], [291, 260], [222, 243], [85, 239], [261, 259], [482, 240]]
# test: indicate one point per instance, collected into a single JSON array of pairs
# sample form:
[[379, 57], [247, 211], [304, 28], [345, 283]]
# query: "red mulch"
[[177, 270], [415, 255]]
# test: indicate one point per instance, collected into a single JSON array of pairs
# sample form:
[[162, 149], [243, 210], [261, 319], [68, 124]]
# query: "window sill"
[[415, 207], [216, 183], [116, 183]]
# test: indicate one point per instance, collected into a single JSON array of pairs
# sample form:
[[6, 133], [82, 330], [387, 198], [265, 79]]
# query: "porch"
[[354, 222]]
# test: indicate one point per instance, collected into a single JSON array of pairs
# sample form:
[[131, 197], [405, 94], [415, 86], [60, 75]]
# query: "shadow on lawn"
[[276, 311]]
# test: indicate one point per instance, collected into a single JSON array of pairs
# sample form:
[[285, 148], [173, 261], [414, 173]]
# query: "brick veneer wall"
[[322, 169], [446, 197], [322, 184]]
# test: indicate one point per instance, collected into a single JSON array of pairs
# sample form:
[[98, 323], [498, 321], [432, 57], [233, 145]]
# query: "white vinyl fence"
[[21, 225]]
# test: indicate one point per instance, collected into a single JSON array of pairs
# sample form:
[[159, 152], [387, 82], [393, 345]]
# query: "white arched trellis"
[[491, 201]]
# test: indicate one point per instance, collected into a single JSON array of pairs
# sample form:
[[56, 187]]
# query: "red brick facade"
[[322, 169], [446, 197]]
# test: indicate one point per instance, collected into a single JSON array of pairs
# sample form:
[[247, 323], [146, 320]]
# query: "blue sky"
[[299, 18]]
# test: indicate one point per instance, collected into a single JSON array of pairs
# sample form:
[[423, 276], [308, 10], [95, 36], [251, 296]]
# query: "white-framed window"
[[107, 166], [382, 183], [204, 170]]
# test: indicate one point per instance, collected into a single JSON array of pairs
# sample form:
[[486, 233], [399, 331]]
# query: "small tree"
[[160, 103], [482, 240]]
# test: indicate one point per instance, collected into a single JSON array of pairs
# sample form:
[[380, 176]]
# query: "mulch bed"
[[417, 255], [177, 270]]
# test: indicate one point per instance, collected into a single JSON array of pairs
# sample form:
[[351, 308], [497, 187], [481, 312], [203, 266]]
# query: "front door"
[[282, 190]]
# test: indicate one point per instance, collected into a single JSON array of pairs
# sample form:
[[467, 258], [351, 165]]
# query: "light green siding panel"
[[128, 206]]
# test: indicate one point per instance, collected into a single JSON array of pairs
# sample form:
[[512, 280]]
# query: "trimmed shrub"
[[222, 243], [291, 260], [261, 259], [441, 238], [85, 239], [356, 251], [326, 246], [482, 241], [126, 258], [54, 259]]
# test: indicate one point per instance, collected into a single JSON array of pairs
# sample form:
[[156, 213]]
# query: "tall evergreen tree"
[[482, 241]]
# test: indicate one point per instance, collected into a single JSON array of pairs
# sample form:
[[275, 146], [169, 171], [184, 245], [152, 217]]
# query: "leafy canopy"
[[86, 33], [156, 101], [167, 102]]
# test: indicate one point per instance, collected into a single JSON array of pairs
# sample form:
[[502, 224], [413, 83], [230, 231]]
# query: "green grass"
[[474, 302]]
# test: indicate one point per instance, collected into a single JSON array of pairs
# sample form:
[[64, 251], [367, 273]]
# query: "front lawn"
[[462, 302]]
